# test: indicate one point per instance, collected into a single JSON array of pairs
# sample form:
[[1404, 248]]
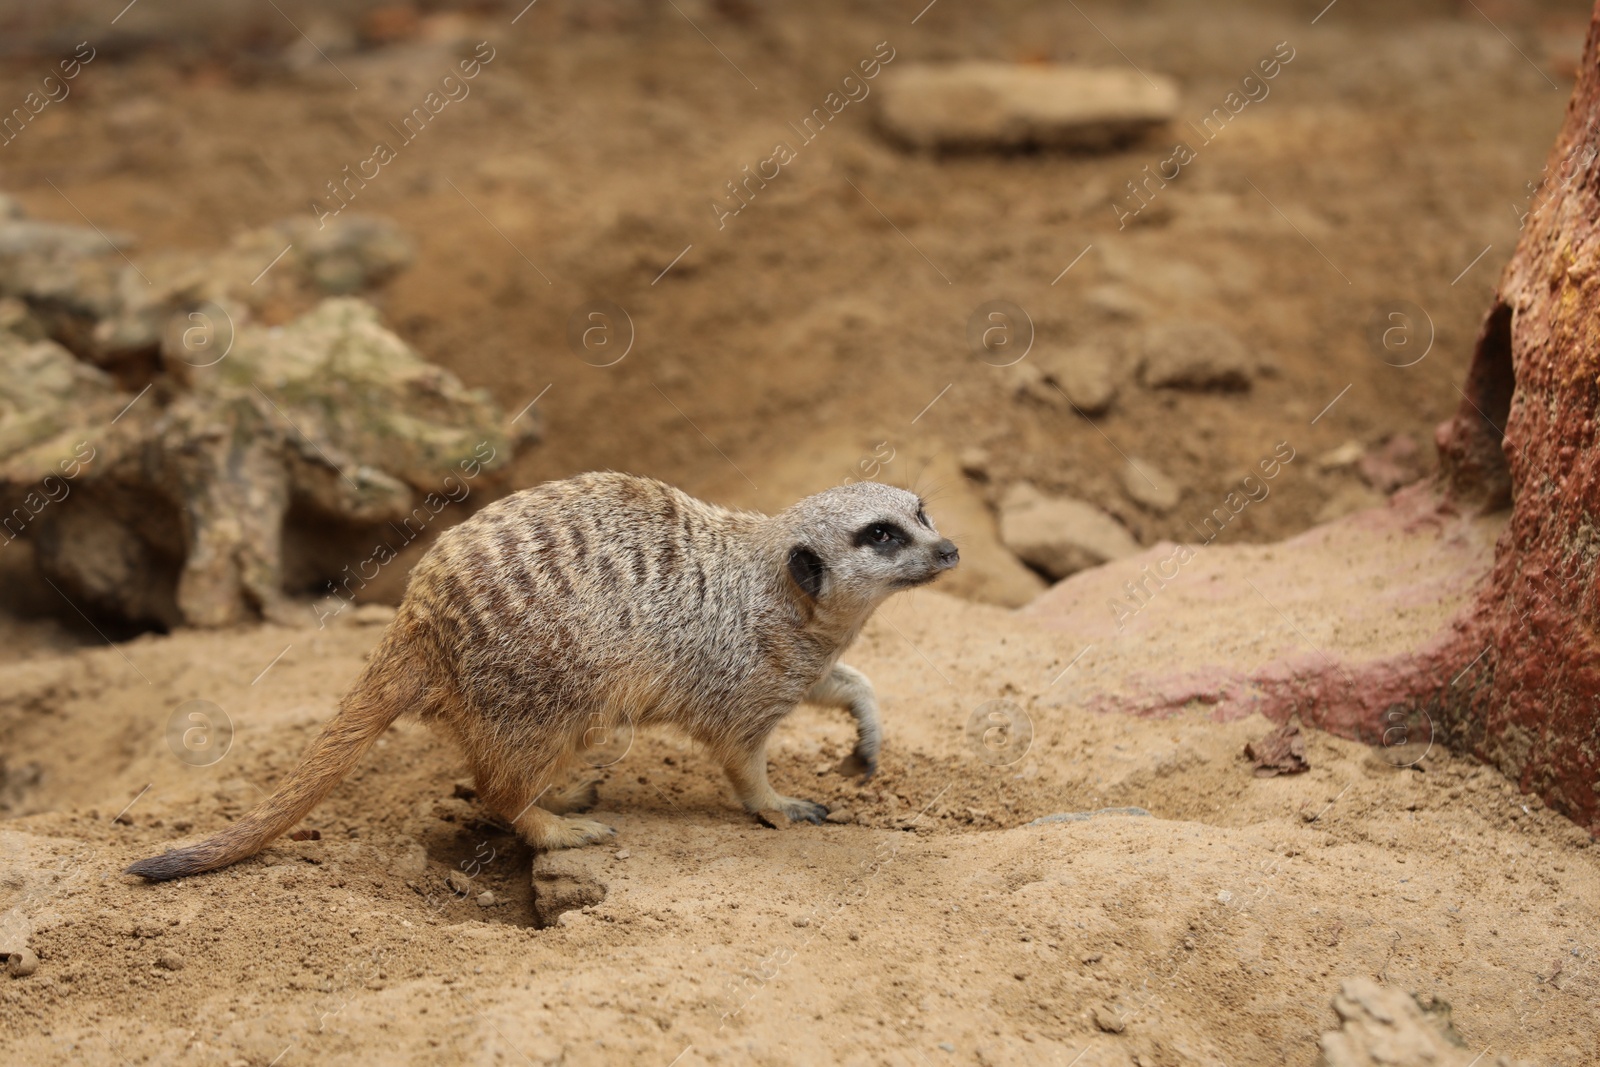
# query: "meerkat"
[[607, 599]]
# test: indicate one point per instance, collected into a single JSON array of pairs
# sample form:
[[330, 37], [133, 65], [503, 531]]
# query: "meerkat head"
[[852, 546]]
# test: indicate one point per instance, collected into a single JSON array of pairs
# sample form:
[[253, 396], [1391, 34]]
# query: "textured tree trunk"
[[1528, 698]]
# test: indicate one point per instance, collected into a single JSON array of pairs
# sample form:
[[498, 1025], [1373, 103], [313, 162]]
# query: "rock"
[[1028, 381], [565, 881], [1382, 1026], [1058, 535], [1194, 355], [840, 817], [978, 104], [1283, 751], [1107, 1020], [459, 883], [181, 501], [349, 254], [1086, 374], [22, 963], [1346, 455], [1149, 486], [486, 899], [1397, 462], [170, 961], [1116, 302]]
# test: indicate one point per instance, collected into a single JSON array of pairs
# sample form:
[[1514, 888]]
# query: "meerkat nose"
[[947, 553]]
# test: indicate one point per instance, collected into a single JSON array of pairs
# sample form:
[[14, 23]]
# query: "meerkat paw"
[[541, 829], [792, 810], [858, 764]]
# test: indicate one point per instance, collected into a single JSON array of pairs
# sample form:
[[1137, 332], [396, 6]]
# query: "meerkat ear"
[[807, 570]]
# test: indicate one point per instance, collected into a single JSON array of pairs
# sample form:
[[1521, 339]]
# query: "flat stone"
[[1194, 355], [1059, 535], [1149, 486], [978, 104]]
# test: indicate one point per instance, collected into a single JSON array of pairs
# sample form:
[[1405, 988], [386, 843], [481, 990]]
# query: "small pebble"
[[841, 818], [21, 964], [1108, 1020], [802, 921], [486, 899], [170, 961], [622, 854]]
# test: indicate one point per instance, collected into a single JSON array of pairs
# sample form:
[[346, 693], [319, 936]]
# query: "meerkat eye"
[[881, 535], [922, 518]]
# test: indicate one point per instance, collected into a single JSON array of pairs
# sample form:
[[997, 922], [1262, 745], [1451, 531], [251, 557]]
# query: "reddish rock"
[[1525, 433]]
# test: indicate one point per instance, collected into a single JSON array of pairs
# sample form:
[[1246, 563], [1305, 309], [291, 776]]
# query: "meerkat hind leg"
[[575, 798], [747, 770], [546, 830], [531, 809]]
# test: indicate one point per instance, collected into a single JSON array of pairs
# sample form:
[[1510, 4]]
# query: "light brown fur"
[[606, 599]]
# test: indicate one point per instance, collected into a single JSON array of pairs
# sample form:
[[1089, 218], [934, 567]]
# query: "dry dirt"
[[936, 925]]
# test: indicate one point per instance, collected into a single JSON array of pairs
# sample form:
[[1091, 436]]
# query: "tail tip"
[[165, 867]]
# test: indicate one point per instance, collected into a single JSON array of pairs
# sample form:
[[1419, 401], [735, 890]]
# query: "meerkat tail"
[[393, 682]]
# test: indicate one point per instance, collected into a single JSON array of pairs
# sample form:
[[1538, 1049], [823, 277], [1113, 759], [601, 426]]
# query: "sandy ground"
[[935, 925]]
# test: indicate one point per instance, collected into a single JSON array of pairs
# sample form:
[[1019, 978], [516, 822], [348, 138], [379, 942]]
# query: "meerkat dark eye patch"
[[882, 536], [807, 570]]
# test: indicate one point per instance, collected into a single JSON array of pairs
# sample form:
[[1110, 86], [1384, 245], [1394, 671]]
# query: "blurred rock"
[[1397, 462], [171, 507], [1381, 1026], [1059, 535], [1346, 455], [978, 104], [1149, 486], [974, 463], [1086, 374], [347, 255], [1028, 381], [1116, 302], [1194, 355], [90, 293]]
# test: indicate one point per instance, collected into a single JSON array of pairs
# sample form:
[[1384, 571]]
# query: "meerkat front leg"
[[846, 687], [746, 768]]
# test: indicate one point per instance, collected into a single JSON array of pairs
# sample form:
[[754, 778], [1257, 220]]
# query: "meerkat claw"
[[804, 811]]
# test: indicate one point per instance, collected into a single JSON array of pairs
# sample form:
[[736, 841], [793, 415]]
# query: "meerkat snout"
[[606, 599]]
